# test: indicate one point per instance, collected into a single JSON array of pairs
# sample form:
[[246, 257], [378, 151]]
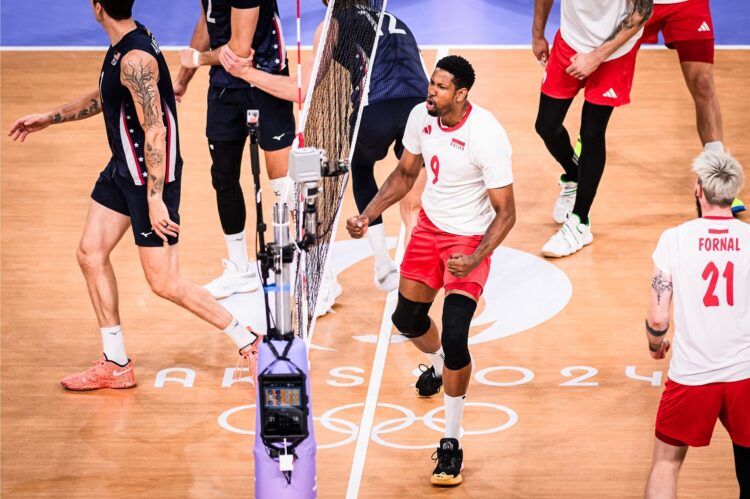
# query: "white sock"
[[114, 344], [280, 185], [437, 359], [237, 250], [239, 334], [715, 146], [376, 238], [454, 413]]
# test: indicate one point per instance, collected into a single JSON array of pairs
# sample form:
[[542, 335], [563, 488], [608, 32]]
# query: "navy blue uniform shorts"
[[120, 194], [382, 124], [226, 118]]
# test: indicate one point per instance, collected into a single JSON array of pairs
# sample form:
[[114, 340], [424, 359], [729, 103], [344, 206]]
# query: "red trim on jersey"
[[718, 231], [132, 148], [712, 217], [457, 125], [169, 133]]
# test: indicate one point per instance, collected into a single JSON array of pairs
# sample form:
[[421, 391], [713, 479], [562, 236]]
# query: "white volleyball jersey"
[[462, 162], [709, 261], [586, 24]]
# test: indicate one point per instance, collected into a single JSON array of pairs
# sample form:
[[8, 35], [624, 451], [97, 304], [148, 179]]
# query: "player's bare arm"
[[503, 202], [139, 73], [396, 186], [84, 107], [585, 64], [539, 43], [190, 57], [657, 321], [280, 86], [244, 22]]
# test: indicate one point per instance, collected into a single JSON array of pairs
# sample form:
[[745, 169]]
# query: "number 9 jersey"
[[462, 162], [709, 261]]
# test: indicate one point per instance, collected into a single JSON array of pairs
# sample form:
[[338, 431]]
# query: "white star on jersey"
[[462, 163]]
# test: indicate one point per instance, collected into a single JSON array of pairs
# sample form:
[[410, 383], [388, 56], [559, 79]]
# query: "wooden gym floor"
[[589, 440]]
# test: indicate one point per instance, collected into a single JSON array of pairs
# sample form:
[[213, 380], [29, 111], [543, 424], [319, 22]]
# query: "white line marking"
[[442, 51], [373, 389]]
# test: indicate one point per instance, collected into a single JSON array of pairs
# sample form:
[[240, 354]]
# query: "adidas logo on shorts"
[[704, 27], [610, 93]]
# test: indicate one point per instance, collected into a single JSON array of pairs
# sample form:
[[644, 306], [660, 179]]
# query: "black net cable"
[[329, 122]]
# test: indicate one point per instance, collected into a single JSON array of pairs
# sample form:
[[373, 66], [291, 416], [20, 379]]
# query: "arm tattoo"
[[157, 185], [60, 118], [154, 157], [660, 285], [640, 12], [89, 111], [140, 79]]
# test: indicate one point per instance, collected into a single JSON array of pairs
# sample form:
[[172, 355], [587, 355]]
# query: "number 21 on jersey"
[[711, 274]]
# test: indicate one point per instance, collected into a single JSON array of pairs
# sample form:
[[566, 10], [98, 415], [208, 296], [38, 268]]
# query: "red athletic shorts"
[[609, 85], [428, 251], [686, 26], [687, 414]]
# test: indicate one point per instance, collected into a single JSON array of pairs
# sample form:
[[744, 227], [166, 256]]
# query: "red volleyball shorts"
[[609, 85], [687, 414], [428, 252], [686, 27]]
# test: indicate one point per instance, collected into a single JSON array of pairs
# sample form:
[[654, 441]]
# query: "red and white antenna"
[[300, 137]]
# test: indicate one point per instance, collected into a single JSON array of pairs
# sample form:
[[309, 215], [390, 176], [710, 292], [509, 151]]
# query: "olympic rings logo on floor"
[[382, 433]]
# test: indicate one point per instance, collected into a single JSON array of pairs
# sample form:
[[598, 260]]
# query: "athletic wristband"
[[656, 332], [196, 58], [653, 347]]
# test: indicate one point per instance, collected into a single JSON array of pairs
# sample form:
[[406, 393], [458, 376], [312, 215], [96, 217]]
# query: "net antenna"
[[329, 122]]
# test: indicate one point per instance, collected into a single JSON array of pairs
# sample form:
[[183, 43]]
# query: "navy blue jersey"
[[124, 133], [397, 72], [268, 42], [355, 31]]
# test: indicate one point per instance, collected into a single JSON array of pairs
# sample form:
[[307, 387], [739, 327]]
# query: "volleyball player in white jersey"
[[704, 265], [468, 209], [687, 28], [594, 49]]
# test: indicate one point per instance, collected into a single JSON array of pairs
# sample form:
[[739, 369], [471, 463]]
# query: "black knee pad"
[[227, 160], [458, 311], [410, 317]]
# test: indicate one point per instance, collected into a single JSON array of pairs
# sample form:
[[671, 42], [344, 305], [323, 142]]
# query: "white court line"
[[373, 389], [169, 48]]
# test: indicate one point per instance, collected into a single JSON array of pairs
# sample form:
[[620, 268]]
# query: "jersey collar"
[[457, 125]]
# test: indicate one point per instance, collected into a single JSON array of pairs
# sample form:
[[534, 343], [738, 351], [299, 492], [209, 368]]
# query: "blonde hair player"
[[703, 266]]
